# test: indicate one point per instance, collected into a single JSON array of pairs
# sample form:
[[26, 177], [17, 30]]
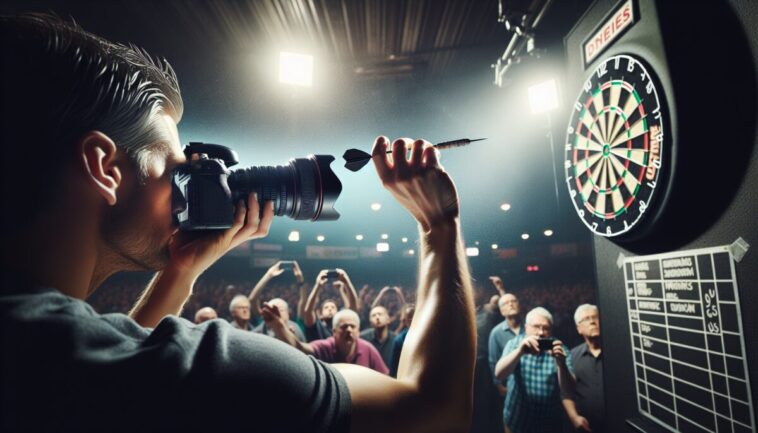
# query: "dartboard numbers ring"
[[616, 145]]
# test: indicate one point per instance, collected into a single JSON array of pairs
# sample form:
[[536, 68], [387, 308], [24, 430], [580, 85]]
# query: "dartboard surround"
[[615, 146]]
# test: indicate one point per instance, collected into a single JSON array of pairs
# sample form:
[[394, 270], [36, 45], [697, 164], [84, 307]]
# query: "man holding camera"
[[90, 141], [319, 328], [539, 372]]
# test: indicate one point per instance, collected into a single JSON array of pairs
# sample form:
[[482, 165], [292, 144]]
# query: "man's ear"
[[100, 158]]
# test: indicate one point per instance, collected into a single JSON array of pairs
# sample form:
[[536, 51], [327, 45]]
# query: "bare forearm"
[[256, 293], [166, 294], [507, 364], [283, 333], [444, 313], [309, 316]]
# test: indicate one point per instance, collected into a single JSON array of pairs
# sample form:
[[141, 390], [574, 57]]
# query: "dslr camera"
[[303, 189]]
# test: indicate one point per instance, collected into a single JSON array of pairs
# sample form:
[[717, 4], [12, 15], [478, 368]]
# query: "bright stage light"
[[382, 247], [548, 232], [472, 251], [358, 237], [494, 246], [411, 252], [320, 238], [525, 236], [294, 236], [404, 240], [543, 97], [505, 207], [376, 206], [385, 236], [296, 69]]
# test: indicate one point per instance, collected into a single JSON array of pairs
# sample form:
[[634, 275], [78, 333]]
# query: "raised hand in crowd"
[[274, 271], [347, 290], [498, 283]]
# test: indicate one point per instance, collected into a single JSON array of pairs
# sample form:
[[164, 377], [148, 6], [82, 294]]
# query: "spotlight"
[[294, 236], [320, 238], [411, 252], [376, 206], [525, 236], [494, 246], [505, 207], [472, 251], [385, 236], [543, 97], [296, 69], [548, 232], [404, 240], [382, 247], [358, 237]]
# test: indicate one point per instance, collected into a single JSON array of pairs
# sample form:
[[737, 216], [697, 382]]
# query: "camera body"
[[546, 344], [206, 190]]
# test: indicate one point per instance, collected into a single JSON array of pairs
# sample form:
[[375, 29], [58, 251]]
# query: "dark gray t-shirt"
[[63, 367]]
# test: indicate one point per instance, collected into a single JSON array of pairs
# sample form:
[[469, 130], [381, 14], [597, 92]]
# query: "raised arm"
[[273, 319], [498, 283], [309, 313], [190, 254], [255, 294], [433, 391], [378, 299], [347, 291], [508, 363]]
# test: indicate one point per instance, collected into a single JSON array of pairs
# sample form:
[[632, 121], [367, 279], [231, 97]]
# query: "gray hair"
[[345, 313], [235, 300], [538, 311], [74, 82], [580, 309]]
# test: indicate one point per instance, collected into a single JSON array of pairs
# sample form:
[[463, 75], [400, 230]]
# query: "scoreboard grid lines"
[[691, 283]]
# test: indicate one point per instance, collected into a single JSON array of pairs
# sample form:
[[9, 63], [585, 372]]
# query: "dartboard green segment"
[[615, 146]]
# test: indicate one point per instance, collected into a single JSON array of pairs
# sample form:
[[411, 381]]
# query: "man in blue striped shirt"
[[539, 371]]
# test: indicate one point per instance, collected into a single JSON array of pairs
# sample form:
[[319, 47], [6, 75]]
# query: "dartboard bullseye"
[[615, 146]]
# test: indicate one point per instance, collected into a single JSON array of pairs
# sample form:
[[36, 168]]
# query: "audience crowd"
[[367, 326]]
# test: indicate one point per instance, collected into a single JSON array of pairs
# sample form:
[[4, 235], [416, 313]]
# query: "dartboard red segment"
[[615, 146]]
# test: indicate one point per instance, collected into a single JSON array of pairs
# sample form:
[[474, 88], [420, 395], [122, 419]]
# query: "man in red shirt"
[[344, 346]]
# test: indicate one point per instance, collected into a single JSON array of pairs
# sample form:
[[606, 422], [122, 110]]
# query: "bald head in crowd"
[[205, 314]]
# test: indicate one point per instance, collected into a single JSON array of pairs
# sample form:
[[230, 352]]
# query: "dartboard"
[[615, 146]]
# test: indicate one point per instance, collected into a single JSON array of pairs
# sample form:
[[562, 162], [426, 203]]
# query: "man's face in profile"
[[141, 223]]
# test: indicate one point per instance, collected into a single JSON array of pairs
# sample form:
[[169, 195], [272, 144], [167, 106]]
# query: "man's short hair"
[[382, 307], [580, 309], [60, 82], [344, 314], [329, 300], [236, 300], [538, 311]]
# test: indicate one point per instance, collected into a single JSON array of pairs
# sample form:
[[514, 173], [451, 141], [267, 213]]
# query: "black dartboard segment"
[[615, 147]]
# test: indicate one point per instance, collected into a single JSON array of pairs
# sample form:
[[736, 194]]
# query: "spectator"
[[380, 335], [406, 318], [588, 366], [394, 307], [345, 346], [284, 312], [485, 415], [318, 328], [274, 271], [538, 377], [239, 308], [501, 334], [204, 314]]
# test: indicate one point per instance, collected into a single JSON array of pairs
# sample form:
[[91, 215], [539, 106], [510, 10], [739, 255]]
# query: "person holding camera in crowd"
[[97, 123], [319, 328], [540, 378], [274, 271]]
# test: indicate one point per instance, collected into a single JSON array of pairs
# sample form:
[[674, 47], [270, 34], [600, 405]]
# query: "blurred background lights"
[[294, 236], [320, 238], [525, 236], [385, 236], [358, 237], [382, 247], [505, 207], [404, 240], [494, 246], [296, 69], [376, 206], [472, 251], [548, 232]]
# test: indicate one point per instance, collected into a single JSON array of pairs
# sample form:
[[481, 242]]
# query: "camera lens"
[[304, 189]]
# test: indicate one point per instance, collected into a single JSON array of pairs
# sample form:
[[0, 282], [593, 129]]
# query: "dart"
[[355, 159]]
